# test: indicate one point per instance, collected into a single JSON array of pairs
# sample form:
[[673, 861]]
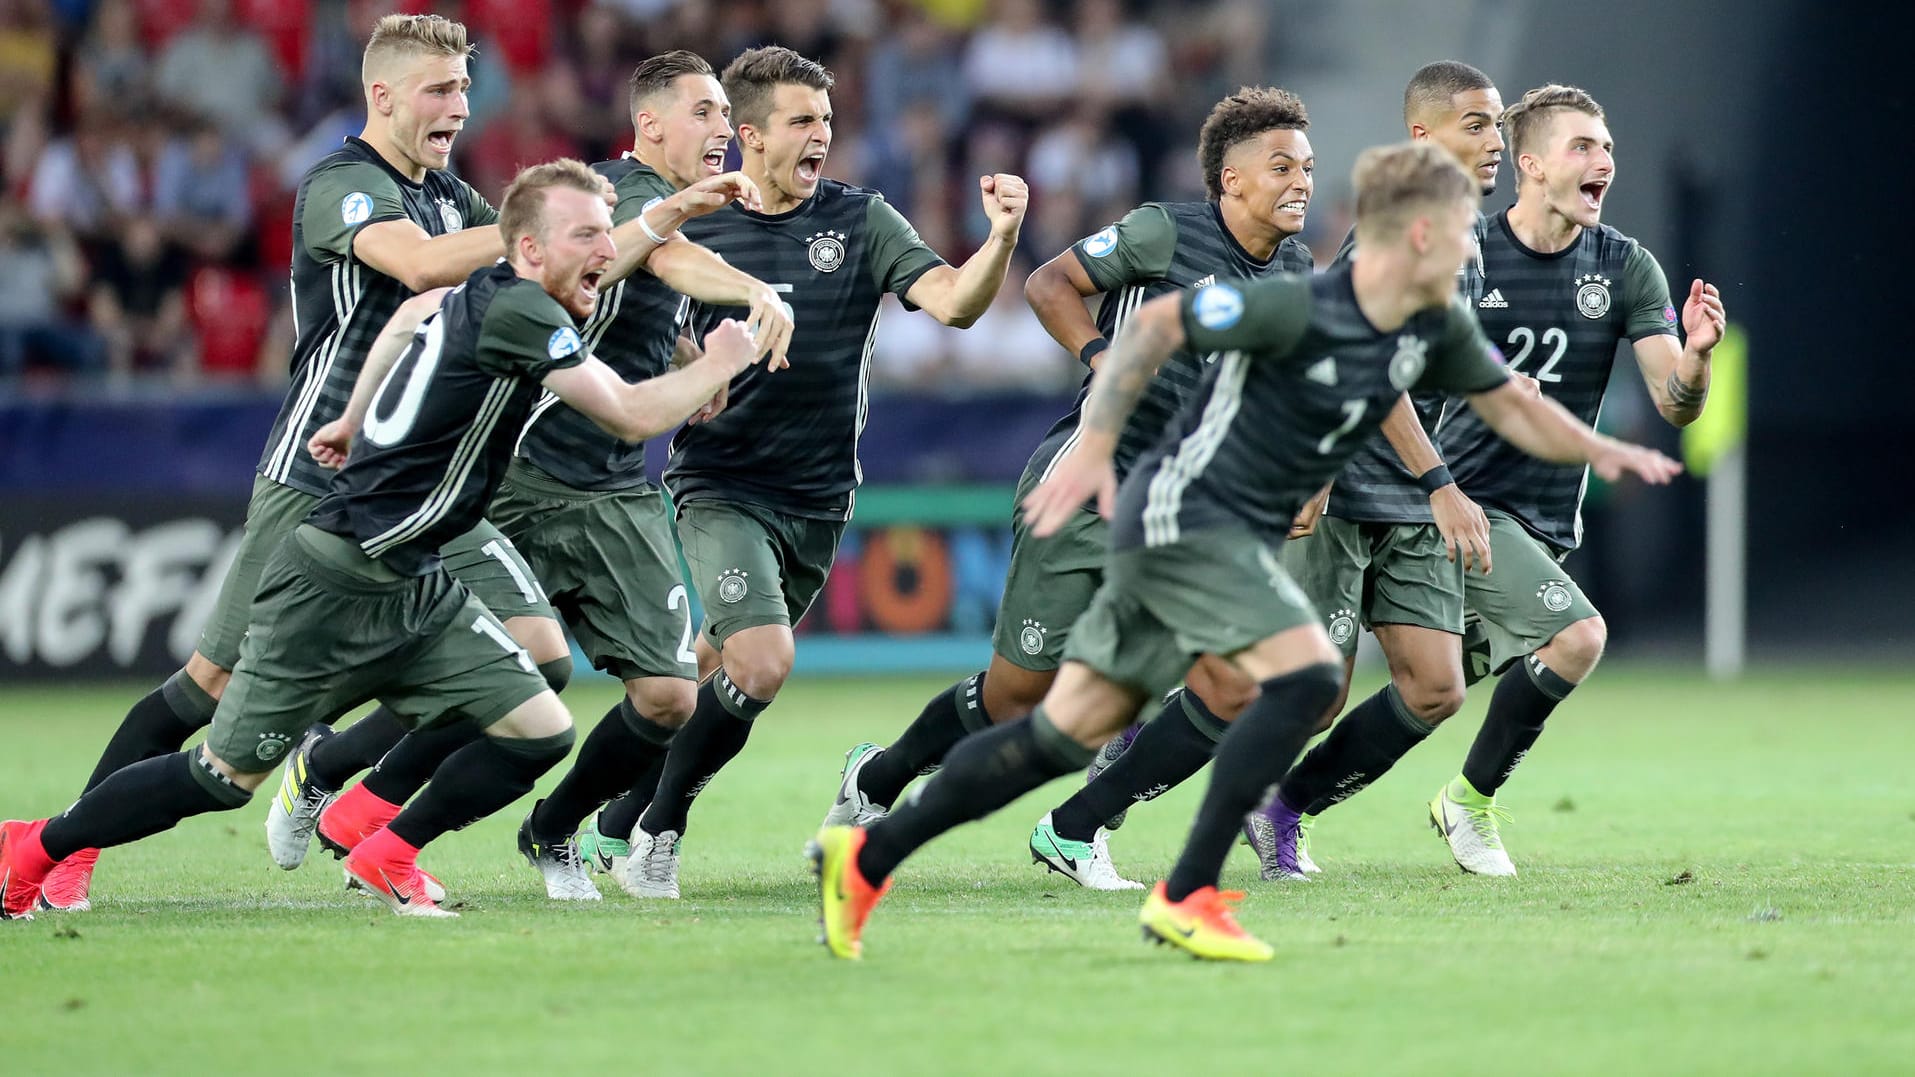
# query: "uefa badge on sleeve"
[[1218, 306], [1102, 243], [355, 208]]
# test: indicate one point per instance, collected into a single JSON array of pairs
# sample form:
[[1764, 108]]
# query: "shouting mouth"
[[714, 160], [440, 142], [1295, 205], [810, 167], [1592, 194]]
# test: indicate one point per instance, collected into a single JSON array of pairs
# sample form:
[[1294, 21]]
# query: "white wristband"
[[646, 227]]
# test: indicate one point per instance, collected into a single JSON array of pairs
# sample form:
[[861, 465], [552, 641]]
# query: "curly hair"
[[1239, 118]]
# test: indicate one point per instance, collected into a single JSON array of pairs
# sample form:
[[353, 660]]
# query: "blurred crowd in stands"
[[152, 147]]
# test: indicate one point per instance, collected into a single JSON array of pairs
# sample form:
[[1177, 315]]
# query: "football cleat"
[[1086, 863], [66, 886], [294, 813], [1201, 925], [1470, 823], [1111, 752], [602, 853], [852, 807], [651, 869], [566, 878], [23, 868], [1275, 833], [398, 883], [845, 898]]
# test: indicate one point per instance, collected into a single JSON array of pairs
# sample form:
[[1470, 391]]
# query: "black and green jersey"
[[1303, 379], [1558, 318], [788, 440], [634, 332], [339, 302], [1160, 247], [439, 435], [1375, 487]]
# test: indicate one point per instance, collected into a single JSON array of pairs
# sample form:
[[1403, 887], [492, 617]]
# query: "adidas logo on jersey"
[[1206, 281], [1493, 301]]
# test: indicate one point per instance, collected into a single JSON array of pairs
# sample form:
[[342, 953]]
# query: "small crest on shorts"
[[1554, 595], [450, 215], [1030, 639], [733, 584], [1411, 358], [827, 251], [272, 746], [1592, 295], [1342, 627]]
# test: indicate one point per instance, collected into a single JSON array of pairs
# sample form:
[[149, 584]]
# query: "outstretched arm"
[[639, 237], [1152, 334], [1545, 429], [960, 296], [701, 273], [634, 411]]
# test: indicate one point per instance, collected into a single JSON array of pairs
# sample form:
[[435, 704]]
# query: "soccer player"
[[1310, 366], [763, 491], [1259, 174], [357, 603], [1396, 537], [1559, 289], [580, 509]]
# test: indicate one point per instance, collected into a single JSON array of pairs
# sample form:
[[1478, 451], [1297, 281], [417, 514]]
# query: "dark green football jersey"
[[634, 331], [339, 302], [1302, 381], [439, 434], [1160, 247], [1375, 487], [1558, 318], [788, 440]]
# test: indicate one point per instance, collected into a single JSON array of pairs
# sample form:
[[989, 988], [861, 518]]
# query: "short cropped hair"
[[1526, 120], [1435, 85], [656, 74], [1394, 183], [750, 79], [406, 36], [1242, 116], [522, 212]]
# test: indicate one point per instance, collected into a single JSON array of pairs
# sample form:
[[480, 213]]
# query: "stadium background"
[[144, 234]]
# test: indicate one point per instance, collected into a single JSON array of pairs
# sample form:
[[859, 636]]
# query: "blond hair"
[[522, 211], [406, 36], [1526, 120], [1395, 184]]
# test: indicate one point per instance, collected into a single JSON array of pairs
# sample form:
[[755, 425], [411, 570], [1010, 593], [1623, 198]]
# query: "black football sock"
[[1365, 743], [157, 725], [1517, 710], [418, 756], [339, 758], [139, 801], [1261, 745], [1169, 749], [622, 814], [476, 781], [619, 748], [957, 712], [716, 733], [982, 774]]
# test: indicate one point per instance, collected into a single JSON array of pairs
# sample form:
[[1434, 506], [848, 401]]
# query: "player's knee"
[[1578, 647], [1312, 689], [204, 672], [541, 753], [1011, 692], [666, 701], [557, 673], [1224, 689], [760, 665], [541, 716], [242, 782], [1432, 700]]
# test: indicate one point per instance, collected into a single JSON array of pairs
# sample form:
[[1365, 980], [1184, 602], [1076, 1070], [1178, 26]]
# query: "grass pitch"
[[1715, 880]]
